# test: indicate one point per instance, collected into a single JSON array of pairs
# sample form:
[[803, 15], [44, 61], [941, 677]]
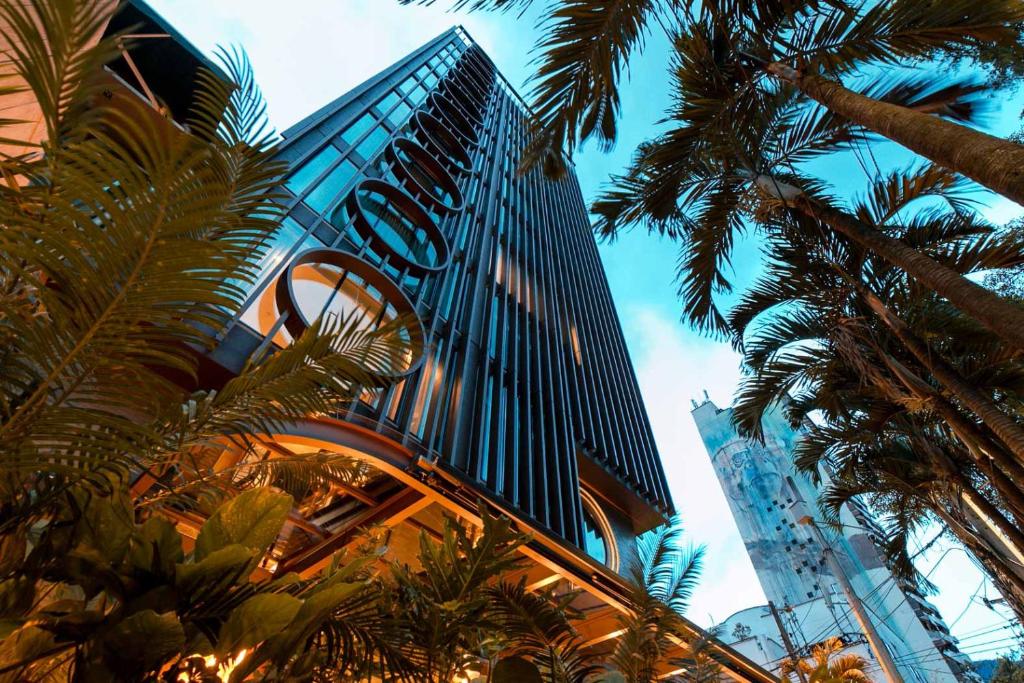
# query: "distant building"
[[768, 498]]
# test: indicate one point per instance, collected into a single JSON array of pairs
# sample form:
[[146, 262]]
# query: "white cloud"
[[309, 52], [674, 366]]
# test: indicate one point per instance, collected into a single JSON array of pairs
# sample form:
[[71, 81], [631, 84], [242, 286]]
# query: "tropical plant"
[[127, 247], [662, 578], [542, 641], [824, 667], [706, 183], [102, 597], [127, 256], [1008, 282], [1008, 669], [444, 601], [832, 331]]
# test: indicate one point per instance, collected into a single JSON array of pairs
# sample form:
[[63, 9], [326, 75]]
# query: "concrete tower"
[[769, 499]]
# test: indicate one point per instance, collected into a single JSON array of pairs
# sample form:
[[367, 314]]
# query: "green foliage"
[[122, 260], [1008, 282], [127, 256], [876, 419], [130, 609], [662, 578], [444, 606], [1008, 670], [127, 247], [825, 667], [252, 519], [539, 626]]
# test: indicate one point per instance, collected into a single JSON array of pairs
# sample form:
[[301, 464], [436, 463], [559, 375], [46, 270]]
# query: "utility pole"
[[874, 639], [788, 643]]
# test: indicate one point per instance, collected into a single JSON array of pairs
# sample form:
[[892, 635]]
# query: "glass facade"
[[524, 378], [593, 538]]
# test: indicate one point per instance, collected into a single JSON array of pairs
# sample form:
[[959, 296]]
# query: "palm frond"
[[892, 193], [575, 95], [539, 627], [478, 5], [902, 29], [129, 246]]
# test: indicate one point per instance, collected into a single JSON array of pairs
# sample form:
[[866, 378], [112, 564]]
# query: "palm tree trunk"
[[983, 506], [1001, 424], [968, 433], [996, 163], [1005, 481], [1006, 580], [999, 315]]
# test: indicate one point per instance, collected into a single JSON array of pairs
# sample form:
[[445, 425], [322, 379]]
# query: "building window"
[[375, 138], [598, 539], [336, 182], [399, 225], [311, 170]]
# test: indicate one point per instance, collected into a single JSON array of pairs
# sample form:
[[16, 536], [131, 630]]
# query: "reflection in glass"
[[322, 289], [275, 251], [429, 179], [328, 291], [261, 314], [311, 170], [397, 230], [593, 537], [376, 135], [331, 186]]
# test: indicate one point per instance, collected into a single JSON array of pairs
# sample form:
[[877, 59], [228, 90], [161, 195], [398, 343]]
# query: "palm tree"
[[700, 180], [808, 45], [110, 292], [915, 475], [814, 342], [662, 578], [444, 606], [541, 637], [812, 47], [824, 667], [956, 239]]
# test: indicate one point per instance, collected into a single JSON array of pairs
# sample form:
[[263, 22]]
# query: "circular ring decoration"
[[462, 95], [330, 281], [481, 68], [421, 173], [464, 81], [466, 106], [398, 227], [448, 112], [434, 133], [476, 85]]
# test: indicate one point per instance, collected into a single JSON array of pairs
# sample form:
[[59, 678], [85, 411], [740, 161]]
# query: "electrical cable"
[[970, 601]]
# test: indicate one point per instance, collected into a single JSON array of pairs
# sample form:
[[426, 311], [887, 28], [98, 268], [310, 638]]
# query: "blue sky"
[[307, 52]]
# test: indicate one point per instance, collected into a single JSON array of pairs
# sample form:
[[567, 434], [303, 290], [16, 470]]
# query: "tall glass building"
[[404, 200], [404, 204]]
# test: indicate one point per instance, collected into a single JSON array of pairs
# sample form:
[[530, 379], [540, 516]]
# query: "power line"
[[905, 659], [992, 646], [970, 601]]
